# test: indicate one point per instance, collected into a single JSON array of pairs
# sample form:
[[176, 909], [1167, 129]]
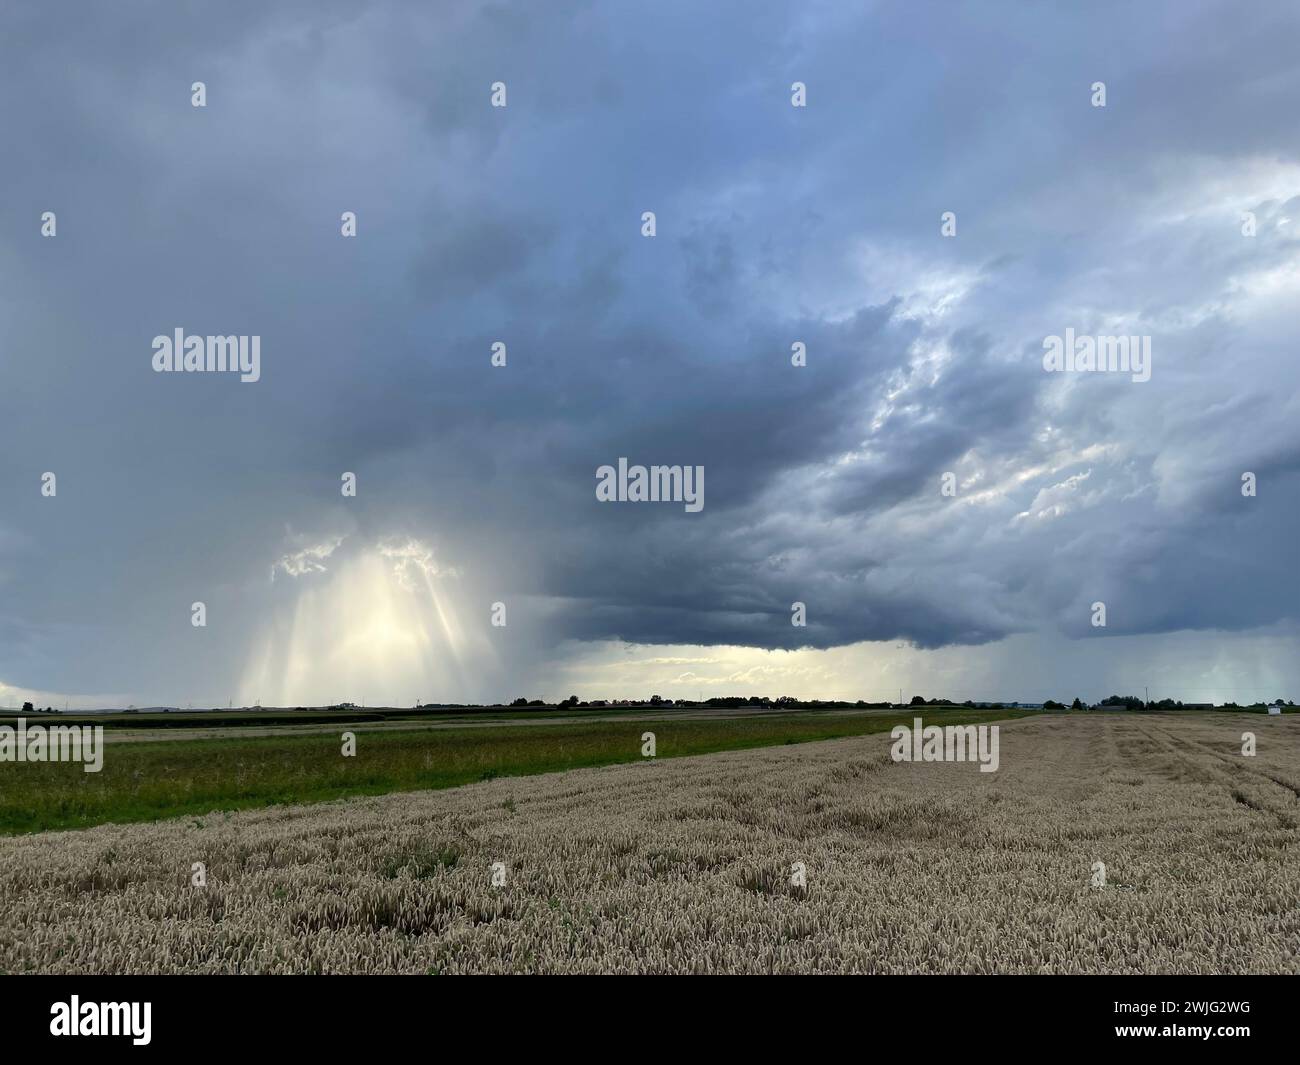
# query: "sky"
[[948, 511]]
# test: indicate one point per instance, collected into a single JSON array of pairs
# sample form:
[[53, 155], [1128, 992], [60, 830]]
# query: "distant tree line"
[[732, 702]]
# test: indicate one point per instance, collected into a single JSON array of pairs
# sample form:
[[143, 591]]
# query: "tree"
[[1077, 704], [1051, 704], [28, 708], [917, 700]]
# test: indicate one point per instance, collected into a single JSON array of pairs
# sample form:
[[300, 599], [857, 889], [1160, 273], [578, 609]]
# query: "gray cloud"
[[522, 225]]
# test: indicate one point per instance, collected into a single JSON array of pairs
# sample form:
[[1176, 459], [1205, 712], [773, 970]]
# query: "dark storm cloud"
[[522, 225]]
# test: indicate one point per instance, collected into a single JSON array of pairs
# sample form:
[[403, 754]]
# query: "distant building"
[[1274, 709]]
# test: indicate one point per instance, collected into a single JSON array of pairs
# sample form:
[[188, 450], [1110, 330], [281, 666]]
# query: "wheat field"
[[685, 866]]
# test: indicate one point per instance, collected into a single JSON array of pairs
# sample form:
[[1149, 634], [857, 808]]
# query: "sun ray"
[[379, 625]]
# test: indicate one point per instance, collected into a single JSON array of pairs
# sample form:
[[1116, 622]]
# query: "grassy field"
[[210, 719], [146, 781], [685, 866]]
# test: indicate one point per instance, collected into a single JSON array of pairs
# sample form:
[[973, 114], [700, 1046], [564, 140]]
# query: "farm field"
[[145, 777], [121, 730], [683, 865]]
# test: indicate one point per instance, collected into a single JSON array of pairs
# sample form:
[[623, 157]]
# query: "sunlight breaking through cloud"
[[379, 625]]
